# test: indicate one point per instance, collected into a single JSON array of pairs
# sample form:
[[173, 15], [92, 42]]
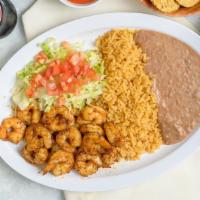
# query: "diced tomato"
[[53, 92], [75, 59], [48, 73], [84, 68], [29, 92], [43, 82], [71, 88], [76, 69], [33, 84], [55, 70], [51, 86], [41, 57], [38, 81], [74, 86], [92, 75], [51, 78], [64, 76], [65, 66], [64, 86], [83, 81], [37, 78], [65, 44]]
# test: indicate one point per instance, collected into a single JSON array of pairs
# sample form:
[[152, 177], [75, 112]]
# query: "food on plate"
[[94, 114], [37, 136], [91, 128], [29, 115], [174, 67], [58, 118], [78, 115], [61, 74], [166, 5], [72, 113], [71, 137], [128, 99], [12, 129], [87, 164], [36, 157], [60, 162]]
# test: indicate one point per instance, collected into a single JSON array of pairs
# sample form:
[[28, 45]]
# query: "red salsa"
[[82, 1]]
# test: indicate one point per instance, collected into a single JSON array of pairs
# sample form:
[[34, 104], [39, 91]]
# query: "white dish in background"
[[123, 174], [76, 5]]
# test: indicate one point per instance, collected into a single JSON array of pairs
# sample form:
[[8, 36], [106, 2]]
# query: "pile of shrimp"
[[61, 140]]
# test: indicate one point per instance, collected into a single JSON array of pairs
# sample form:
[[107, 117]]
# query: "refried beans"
[[175, 69]]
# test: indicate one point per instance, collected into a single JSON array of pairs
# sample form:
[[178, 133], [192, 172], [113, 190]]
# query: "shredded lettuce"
[[77, 46], [19, 97], [54, 50], [46, 102], [30, 69], [96, 62], [89, 93]]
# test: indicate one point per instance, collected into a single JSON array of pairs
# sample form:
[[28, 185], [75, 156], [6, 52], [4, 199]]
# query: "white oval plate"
[[122, 174]]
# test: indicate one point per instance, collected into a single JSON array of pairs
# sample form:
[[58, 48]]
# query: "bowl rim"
[[179, 13], [73, 5]]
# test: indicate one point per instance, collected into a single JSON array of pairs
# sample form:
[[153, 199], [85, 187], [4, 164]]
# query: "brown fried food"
[[86, 164], [60, 162], [94, 114], [166, 6], [188, 3], [69, 139], [36, 157], [81, 121], [38, 136], [112, 134], [12, 129], [93, 143], [29, 115], [110, 157], [58, 119], [91, 128]]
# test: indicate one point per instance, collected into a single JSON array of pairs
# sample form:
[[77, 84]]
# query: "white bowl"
[[74, 5]]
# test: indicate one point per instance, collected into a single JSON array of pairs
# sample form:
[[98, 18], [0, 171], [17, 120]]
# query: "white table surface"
[[12, 185]]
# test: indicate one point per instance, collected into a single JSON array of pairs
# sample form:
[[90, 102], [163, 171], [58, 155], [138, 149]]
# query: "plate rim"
[[122, 180]]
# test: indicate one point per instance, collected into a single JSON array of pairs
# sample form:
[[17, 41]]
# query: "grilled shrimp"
[[110, 157], [93, 144], [87, 164], [70, 139], [58, 119], [81, 121], [12, 129], [91, 128], [38, 136], [111, 133], [29, 115], [94, 114], [36, 157], [60, 162]]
